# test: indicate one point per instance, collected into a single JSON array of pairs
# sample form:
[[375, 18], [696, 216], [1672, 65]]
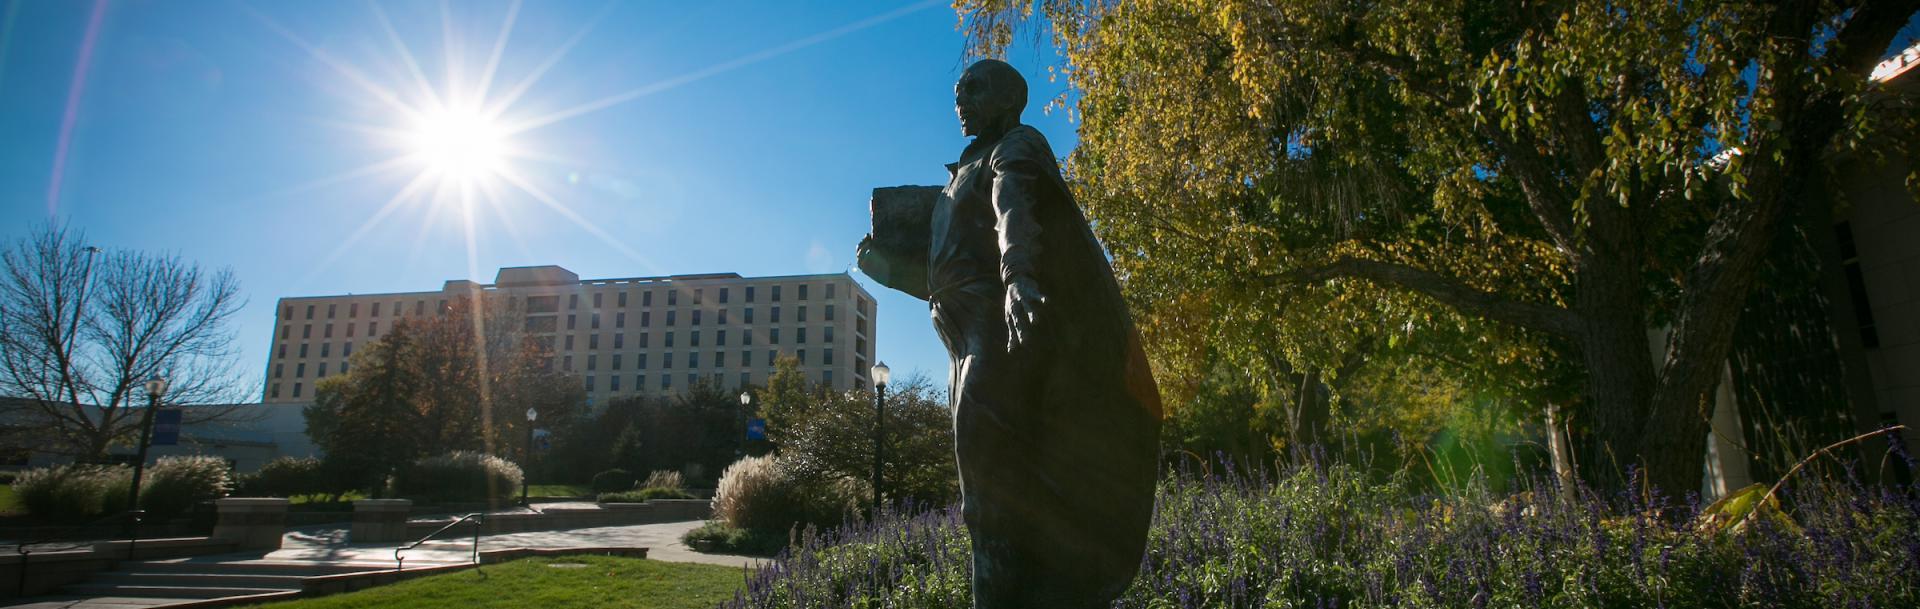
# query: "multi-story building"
[[623, 337]]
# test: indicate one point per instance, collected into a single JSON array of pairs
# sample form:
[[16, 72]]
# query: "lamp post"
[[526, 477], [746, 402], [880, 377], [156, 387]]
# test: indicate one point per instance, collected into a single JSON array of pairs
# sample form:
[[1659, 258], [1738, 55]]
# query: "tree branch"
[[1448, 290]]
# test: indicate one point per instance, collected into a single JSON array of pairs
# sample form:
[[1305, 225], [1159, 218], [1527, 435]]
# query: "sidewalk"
[[663, 541]]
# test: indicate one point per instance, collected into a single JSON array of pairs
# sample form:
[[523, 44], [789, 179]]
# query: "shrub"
[[459, 476], [613, 481], [722, 538], [7, 478], [286, 477], [172, 485], [759, 493], [665, 479], [645, 494], [1328, 537], [73, 492]]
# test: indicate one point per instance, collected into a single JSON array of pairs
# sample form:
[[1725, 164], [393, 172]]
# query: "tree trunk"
[[1620, 373]]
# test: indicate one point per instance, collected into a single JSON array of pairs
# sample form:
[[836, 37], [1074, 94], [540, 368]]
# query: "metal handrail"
[[399, 563]]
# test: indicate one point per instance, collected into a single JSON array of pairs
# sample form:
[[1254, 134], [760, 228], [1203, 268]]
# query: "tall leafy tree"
[[1505, 179]]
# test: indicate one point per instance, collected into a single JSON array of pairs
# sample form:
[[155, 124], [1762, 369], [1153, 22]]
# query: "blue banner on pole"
[[166, 427], [757, 429]]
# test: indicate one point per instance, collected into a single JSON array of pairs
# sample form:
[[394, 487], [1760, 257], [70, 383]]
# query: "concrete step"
[[192, 592], [211, 578], [259, 567]]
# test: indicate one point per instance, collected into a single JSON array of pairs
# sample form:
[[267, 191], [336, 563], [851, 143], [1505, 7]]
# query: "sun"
[[459, 145]]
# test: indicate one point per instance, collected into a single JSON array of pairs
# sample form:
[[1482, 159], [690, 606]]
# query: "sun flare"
[[459, 145]]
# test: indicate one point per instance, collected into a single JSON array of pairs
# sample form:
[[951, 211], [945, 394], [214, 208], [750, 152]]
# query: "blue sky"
[[691, 137]]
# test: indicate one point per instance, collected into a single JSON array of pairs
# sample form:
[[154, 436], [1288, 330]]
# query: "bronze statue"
[[1056, 416]]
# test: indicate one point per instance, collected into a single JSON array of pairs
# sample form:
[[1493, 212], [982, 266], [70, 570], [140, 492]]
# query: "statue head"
[[989, 97]]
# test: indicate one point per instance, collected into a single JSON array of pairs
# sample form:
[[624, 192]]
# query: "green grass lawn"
[[560, 490], [605, 581]]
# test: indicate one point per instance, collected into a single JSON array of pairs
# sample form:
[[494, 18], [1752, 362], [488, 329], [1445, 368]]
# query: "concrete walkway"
[[328, 547]]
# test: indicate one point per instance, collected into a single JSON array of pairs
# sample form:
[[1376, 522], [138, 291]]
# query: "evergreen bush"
[[613, 481]]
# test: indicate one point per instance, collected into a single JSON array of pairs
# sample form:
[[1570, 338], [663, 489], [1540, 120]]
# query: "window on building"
[[278, 370], [569, 342], [746, 358], [593, 322], [353, 310], [571, 318], [719, 338], [699, 294], [296, 390], [350, 328], [800, 354], [800, 336], [619, 341], [306, 331], [343, 367], [746, 336], [673, 297], [323, 371], [749, 293], [593, 341], [773, 357], [616, 362], [774, 316], [287, 313], [283, 351], [325, 348], [803, 291], [613, 380], [309, 311], [693, 378], [619, 320], [373, 327], [669, 339], [643, 339], [800, 315], [693, 360], [646, 300], [671, 316], [829, 312], [827, 359], [693, 338], [746, 378], [696, 317], [640, 362], [666, 381], [593, 362], [622, 302], [300, 370], [646, 319], [596, 299], [746, 315], [331, 309], [639, 382], [566, 364], [666, 361], [829, 333], [542, 304], [773, 336], [776, 293], [722, 317], [326, 331], [719, 359], [573, 301], [442, 308], [286, 332], [347, 351], [589, 380], [376, 310], [303, 350], [829, 291], [723, 296], [274, 392], [826, 377]]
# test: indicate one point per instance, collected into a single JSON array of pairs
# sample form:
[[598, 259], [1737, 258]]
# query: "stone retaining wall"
[[607, 515]]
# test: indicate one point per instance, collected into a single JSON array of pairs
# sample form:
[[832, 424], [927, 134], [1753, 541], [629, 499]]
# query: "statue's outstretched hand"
[[1024, 302]]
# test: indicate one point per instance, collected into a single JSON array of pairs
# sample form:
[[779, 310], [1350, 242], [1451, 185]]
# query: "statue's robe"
[[1056, 439]]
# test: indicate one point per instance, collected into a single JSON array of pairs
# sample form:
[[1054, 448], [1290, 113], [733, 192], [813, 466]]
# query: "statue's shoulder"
[[1023, 143]]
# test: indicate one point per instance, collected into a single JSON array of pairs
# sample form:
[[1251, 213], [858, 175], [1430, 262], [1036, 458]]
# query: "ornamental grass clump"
[[1330, 537], [173, 485], [459, 476]]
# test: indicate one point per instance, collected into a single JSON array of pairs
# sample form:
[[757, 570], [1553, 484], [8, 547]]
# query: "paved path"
[[663, 539]]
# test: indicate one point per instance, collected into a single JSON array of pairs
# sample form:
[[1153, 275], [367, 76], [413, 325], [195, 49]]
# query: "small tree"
[[835, 441], [82, 329]]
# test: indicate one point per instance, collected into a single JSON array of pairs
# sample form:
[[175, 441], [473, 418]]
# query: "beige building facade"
[[621, 337]]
